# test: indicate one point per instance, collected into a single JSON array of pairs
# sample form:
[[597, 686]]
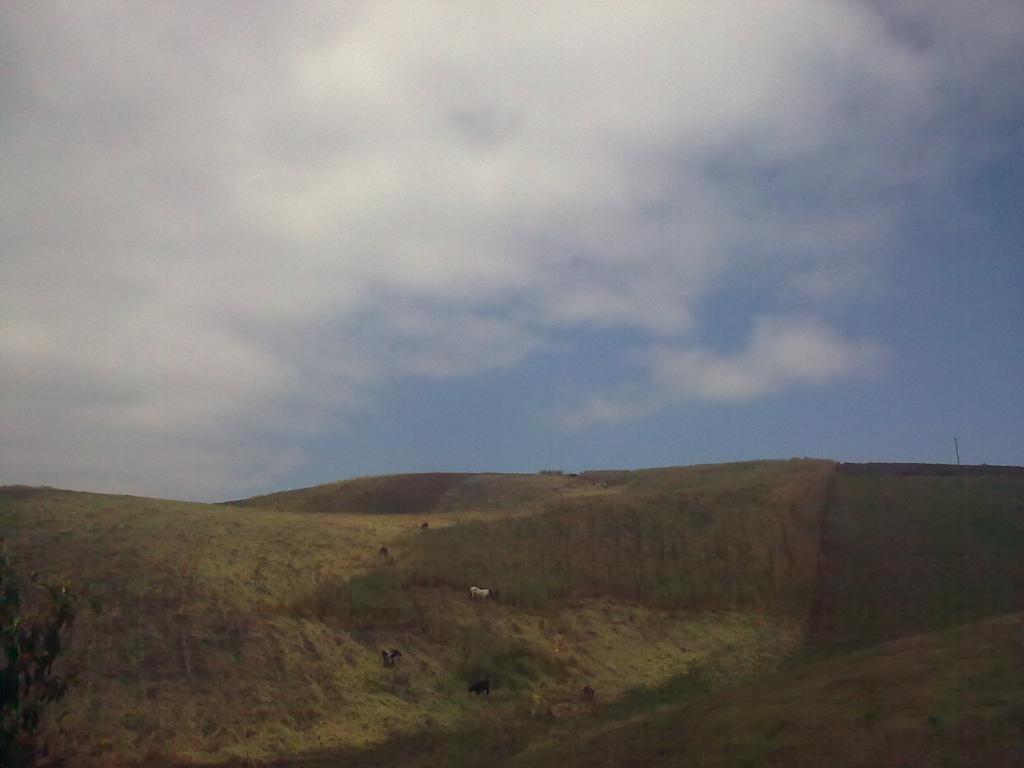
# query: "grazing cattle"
[[424, 525], [481, 686], [588, 693], [383, 551], [477, 592], [390, 656]]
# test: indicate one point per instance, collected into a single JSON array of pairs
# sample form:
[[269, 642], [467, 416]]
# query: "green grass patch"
[[506, 662]]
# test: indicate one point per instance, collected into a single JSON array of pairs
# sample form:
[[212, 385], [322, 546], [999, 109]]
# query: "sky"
[[249, 246]]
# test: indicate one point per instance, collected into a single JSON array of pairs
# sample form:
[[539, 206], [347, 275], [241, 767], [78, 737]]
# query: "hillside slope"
[[725, 537], [425, 494], [248, 632], [950, 698], [947, 698], [909, 548]]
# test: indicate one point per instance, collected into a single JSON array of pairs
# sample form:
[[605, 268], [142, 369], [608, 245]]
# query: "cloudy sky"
[[248, 246]]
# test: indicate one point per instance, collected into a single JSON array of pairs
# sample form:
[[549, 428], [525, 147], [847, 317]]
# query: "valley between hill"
[[724, 615]]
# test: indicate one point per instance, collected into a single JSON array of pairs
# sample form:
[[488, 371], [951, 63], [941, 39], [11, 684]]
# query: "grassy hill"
[[197, 651], [248, 633], [950, 698], [740, 537], [909, 548], [942, 699]]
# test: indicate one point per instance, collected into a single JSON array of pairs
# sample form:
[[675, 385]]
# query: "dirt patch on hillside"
[[392, 494], [401, 494]]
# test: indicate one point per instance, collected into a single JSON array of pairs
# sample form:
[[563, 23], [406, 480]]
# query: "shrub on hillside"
[[31, 642], [506, 662]]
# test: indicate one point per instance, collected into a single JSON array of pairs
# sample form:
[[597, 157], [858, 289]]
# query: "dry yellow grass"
[[213, 647], [200, 654]]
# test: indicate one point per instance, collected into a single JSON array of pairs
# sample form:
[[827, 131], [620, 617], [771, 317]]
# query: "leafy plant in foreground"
[[31, 644]]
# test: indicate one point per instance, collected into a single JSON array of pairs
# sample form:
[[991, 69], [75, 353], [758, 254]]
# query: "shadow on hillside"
[[909, 548]]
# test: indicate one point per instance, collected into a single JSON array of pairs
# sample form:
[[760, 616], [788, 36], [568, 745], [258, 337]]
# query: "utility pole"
[[957, 449]]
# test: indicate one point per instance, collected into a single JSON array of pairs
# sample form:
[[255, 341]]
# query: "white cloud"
[[239, 221], [781, 353], [627, 403]]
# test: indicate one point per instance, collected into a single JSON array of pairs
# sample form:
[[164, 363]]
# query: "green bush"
[[506, 662], [32, 641]]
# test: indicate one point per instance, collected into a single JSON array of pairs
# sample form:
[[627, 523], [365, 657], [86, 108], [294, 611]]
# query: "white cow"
[[477, 592]]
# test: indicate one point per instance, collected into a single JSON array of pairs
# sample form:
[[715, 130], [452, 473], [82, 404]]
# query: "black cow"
[[424, 525], [480, 686], [390, 656], [383, 551], [588, 693]]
